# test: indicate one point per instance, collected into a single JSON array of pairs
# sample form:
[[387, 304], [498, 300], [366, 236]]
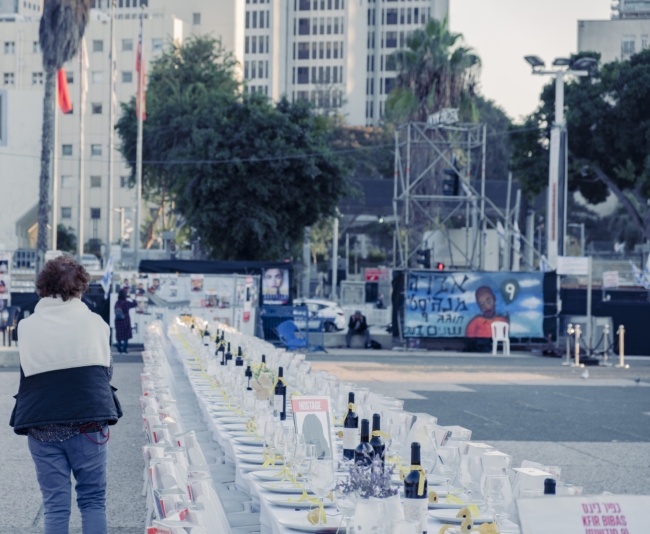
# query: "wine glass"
[[269, 434], [299, 452], [471, 471], [345, 504], [449, 464], [322, 479], [497, 491]]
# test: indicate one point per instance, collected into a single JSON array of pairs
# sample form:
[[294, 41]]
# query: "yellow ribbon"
[[350, 409], [270, 458], [251, 427], [280, 379], [377, 433], [285, 473], [312, 516], [423, 477]]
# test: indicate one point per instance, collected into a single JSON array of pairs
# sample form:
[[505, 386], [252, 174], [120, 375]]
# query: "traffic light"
[[451, 180], [440, 266], [424, 258]]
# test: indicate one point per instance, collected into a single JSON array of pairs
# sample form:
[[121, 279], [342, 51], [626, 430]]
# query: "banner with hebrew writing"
[[466, 303]]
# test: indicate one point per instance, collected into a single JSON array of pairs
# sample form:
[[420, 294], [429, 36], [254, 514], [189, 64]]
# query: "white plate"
[[270, 475], [303, 525], [234, 426], [282, 501], [288, 488], [449, 516], [258, 442], [223, 414], [247, 449], [251, 458], [231, 420], [442, 505]]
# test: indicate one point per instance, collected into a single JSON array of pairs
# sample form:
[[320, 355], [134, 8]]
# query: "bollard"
[[577, 347], [606, 343], [569, 332], [621, 348]]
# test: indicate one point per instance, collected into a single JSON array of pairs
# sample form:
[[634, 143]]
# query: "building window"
[[303, 50], [36, 49], [254, 19], [127, 45], [98, 45], [391, 39], [66, 213], [246, 47], [303, 26], [95, 182], [97, 77], [96, 108], [95, 213], [336, 50], [95, 150], [66, 150], [644, 42], [124, 182], [254, 45], [66, 182], [196, 19], [69, 76], [304, 5], [248, 19], [10, 47], [388, 87], [8, 78], [390, 63], [157, 45], [246, 69], [408, 16], [127, 76], [329, 50], [391, 16], [627, 46], [303, 75], [321, 50], [37, 78]]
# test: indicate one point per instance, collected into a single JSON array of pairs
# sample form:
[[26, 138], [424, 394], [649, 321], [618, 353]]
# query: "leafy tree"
[[65, 239], [434, 72], [498, 146], [608, 121], [61, 28]]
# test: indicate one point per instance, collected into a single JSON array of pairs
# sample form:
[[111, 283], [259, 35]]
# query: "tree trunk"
[[47, 140]]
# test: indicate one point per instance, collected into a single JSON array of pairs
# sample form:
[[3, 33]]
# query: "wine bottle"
[[377, 442], [263, 360], [350, 429], [222, 349], [364, 453], [206, 337], [249, 375], [228, 355], [280, 397], [416, 496], [239, 361]]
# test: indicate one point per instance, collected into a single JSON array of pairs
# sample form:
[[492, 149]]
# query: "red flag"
[[63, 94], [140, 69]]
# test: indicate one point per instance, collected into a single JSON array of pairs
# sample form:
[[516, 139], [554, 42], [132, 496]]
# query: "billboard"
[[466, 303], [275, 286]]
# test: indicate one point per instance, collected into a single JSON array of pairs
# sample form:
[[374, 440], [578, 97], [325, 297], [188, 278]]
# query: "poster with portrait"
[[196, 283], [154, 284], [311, 418], [5, 262], [5, 284], [275, 286], [464, 304]]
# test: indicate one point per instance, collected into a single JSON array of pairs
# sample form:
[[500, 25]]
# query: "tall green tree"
[[498, 146], [61, 28], [245, 175], [434, 71], [608, 120]]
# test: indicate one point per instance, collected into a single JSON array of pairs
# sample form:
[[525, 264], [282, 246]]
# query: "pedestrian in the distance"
[[65, 401], [357, 326], [123, 330]]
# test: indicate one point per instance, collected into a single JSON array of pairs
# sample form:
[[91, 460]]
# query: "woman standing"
[[65, 401], [123, 321]]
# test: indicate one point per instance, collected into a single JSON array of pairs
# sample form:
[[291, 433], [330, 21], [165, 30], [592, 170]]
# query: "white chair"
[[500, 332]]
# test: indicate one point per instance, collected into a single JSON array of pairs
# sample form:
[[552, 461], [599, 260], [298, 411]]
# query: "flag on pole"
[[543, 264], [63, 93], [140, 69], [639, 276], [108, 276]]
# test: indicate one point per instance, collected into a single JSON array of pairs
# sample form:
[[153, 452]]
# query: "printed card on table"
[[311, 417]]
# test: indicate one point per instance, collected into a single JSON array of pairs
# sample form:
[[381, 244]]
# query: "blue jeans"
[[123, 346], [87, 462]]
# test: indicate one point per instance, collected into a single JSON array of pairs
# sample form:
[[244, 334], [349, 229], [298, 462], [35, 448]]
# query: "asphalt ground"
[[21, 509], [597, 428]]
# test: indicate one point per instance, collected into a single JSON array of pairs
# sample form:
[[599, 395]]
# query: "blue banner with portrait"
[[466, 303]]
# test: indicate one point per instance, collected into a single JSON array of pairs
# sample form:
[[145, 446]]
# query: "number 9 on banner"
[[509, 290]]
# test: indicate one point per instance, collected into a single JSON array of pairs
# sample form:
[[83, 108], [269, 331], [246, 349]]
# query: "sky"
[[504, 31]]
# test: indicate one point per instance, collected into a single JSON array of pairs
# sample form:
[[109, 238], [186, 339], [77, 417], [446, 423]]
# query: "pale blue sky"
[[504, 31]]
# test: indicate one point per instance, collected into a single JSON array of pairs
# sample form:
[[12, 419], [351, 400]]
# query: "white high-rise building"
[[332, 53]]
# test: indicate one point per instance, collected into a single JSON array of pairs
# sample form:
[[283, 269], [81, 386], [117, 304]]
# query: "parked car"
[[90, 262], [329, 311]]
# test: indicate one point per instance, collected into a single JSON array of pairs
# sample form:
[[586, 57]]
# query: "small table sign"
[[599, 514]]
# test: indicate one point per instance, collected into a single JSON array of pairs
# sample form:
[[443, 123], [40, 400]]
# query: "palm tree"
[[62, 26], [434, 72]]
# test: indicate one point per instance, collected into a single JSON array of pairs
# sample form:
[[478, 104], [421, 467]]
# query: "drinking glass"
[[322, 479], [289, 445], [471, 471], [269, 434], [498, 495], [397, 433], [299, 454], [449, 463], [345, 504]]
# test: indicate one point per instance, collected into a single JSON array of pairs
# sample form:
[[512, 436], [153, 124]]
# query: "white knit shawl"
[[62, 335]]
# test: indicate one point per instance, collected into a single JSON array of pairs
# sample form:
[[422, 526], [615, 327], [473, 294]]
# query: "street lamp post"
[[557, 175]]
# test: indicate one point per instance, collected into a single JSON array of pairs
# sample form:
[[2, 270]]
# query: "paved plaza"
[[597, 429]]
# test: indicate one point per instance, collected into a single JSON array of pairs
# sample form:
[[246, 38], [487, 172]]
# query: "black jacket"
[[363, 325], [77, 395]]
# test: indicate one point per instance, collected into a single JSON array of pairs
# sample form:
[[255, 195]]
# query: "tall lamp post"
[[556, 204]]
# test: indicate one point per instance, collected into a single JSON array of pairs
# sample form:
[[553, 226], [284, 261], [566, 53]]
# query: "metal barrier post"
[[569, 332], [621, 348], [577, 347]]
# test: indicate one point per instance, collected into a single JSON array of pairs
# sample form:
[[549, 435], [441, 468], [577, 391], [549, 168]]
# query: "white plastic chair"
[[500, 332]]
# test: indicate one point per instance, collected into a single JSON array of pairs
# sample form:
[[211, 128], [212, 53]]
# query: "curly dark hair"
[[62, 277]]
